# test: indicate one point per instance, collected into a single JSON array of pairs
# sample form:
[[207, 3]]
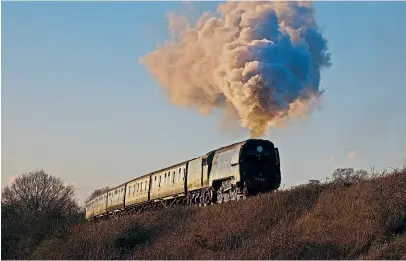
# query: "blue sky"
[[77, 103]]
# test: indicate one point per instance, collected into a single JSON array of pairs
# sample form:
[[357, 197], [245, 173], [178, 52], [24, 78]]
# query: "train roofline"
[[181, 163]]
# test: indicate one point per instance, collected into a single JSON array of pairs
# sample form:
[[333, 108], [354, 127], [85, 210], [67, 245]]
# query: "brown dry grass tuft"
[[366, 220]]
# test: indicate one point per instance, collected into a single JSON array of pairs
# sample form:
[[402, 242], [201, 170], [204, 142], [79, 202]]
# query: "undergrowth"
[[336, 220]]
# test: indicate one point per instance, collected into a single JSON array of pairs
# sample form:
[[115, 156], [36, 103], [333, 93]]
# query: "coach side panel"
[[137, 191], [168, 182], [194, 174], [100, 204], [115, 198], [89, 210]]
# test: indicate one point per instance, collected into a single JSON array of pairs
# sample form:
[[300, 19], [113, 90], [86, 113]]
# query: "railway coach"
[[229, 173]]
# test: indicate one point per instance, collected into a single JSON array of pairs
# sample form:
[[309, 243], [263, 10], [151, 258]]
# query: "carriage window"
[[159, 184], [173, 177]]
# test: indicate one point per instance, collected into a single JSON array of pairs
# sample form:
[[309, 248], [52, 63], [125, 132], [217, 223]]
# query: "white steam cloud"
[[258, 60]]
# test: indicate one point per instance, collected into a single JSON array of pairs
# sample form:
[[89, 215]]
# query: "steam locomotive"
[[229, 173]]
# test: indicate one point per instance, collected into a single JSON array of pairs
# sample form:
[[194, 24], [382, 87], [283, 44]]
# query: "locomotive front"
[[260, 166]]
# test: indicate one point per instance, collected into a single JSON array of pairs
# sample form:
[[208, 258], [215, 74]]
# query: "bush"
[[33, 207]]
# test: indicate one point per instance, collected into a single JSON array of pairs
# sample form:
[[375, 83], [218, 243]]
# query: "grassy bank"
[[365, 220]]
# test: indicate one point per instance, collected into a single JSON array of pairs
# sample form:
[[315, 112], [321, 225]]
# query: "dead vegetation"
[[365, 219]]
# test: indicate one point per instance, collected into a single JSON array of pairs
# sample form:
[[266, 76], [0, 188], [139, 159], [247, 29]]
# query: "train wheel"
[[227, 196], [220, 198], [244, 193], [233, 194]]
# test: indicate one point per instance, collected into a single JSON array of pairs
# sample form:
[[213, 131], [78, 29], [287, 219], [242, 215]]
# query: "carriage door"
[[205, 172]]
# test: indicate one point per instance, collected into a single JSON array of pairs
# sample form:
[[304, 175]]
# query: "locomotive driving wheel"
[[244, 192], [233, 194]]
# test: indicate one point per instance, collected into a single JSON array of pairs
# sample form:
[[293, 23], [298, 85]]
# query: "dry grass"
[[330, 221]]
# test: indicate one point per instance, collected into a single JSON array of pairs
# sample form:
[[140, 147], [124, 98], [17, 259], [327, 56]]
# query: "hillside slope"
[[365, 220]]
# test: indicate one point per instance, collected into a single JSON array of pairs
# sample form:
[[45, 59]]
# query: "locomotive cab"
[[259, 166]]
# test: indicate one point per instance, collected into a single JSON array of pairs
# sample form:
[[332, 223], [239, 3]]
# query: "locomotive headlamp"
[[259, 148]]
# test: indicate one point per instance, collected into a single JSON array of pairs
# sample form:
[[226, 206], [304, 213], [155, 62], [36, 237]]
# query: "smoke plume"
[[261, 60]]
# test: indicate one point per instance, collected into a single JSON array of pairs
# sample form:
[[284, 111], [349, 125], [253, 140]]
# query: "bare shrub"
[[33, 207]]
